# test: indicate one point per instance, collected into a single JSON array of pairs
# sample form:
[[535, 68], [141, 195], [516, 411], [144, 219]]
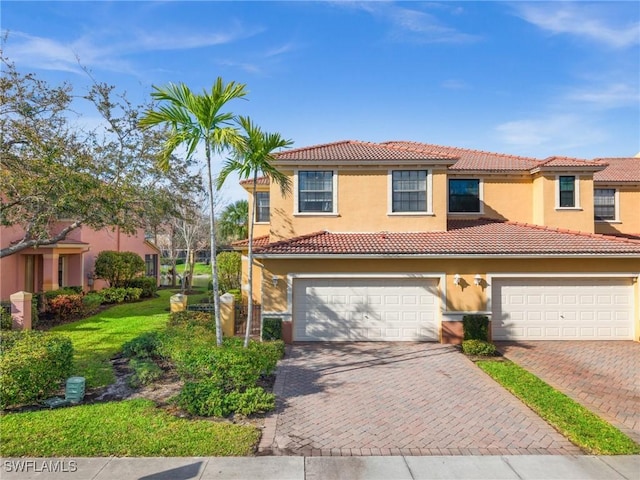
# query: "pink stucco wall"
[[80, 249]]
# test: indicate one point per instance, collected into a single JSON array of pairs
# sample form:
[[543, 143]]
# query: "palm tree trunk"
[[250, 260], [212, 243]]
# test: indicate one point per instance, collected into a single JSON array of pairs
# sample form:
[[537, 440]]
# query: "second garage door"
[[380, 309], [562, 309]]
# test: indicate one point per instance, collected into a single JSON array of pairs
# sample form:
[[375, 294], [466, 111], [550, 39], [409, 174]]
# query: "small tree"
[[117, 268], [229, 270]]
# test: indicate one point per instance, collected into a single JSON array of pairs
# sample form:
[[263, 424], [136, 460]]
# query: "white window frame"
[[480, 196], [616, 205], [296, 205], [256, 204], [576, 192], [429, 192]]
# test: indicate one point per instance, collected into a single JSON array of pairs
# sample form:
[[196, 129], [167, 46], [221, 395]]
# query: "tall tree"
[[52, 169], [251, 158], [234, 221], [195, 119]]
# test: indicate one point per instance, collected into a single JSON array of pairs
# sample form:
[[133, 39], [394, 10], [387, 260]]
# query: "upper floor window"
[[464, 196], [316, 191], [604, 204], [262, 207], [566, 191], [409, 191]]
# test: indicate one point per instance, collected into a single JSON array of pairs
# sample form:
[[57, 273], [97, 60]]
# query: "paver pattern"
[[397, 399], [602, 376]]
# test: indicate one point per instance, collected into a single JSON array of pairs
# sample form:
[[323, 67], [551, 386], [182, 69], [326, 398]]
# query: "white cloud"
[[555, 133], [608, 96], [454, 84], [587, 20]]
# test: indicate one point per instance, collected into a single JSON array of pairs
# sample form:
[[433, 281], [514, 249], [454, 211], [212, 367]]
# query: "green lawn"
[[98, 338], [581, 426], [129, 428]]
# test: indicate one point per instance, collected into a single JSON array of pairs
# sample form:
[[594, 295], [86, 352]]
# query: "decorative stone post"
[[21, 310], [227, 314], [178, 303]]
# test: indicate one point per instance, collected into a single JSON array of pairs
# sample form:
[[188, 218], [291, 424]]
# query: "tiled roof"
[[257, 242], [619, 170], [259, 181], [474, 159], [571, 162], [464, 237], [355, 150]]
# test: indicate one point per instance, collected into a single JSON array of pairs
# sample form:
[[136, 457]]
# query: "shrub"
[[6, 322], [205, 398], [144, 372], [475, 327], [66, 307], [33, 365], [118, 268], [272, 329], [91, 302], [146, 345], [478, 347], [229, 270], [120, 294], [51, 294], [148, 285]]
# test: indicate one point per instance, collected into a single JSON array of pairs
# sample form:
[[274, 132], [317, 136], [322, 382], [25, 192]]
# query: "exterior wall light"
[[274, 280], [456, 279], [477, 280]]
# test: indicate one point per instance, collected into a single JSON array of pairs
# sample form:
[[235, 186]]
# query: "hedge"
[[33, 366]]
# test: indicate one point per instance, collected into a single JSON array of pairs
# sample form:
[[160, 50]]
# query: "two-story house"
[[399, 240]]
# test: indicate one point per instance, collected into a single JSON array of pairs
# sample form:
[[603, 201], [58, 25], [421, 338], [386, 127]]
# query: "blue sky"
[[534, 79]]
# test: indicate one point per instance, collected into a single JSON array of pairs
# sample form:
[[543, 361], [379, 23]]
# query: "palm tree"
[[251, 158], [232, 224], [194, 119]]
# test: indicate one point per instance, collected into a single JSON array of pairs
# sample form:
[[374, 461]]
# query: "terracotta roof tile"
[[464, 237], [257, 242], [260, 181], [352, 150], [618, 170], [475, 159], [561, 162]]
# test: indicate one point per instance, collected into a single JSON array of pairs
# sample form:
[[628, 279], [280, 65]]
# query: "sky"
[[526, 78]]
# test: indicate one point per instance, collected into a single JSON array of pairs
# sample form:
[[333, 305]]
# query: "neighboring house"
[[399, 240], [69, 262]]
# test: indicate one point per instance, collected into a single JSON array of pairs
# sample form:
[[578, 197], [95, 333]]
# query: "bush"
[[66, 307], [478, 347], [33, 366], [148, 285], [51, 294], [120, 294], [118, 268], [475, 327], [6, 322], [205, 398], [143, 346], [91, 302], [144, 372], [229, 270], [272, 329]]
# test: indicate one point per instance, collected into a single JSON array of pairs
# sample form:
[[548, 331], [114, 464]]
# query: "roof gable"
[[625, 169]]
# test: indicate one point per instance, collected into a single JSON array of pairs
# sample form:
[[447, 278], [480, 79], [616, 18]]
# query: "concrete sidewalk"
[[545, 467]]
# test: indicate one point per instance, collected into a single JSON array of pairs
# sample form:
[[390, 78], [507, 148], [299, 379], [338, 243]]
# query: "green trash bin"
[[74, 392]]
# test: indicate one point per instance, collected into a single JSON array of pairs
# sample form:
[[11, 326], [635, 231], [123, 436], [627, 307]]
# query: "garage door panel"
[[365, 309], [572, 309]]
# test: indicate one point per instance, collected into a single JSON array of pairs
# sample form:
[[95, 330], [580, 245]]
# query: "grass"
[[98, 338], [129, 428], [581, 426]]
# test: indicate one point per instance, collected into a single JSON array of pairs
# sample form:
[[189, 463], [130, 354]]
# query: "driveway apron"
[[397, 399], [600, 375]]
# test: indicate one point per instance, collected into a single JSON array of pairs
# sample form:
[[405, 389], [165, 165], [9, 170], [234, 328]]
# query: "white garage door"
[[382, 309], [562, 309]]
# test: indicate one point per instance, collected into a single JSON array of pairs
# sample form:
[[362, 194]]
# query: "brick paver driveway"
[[397, 399], [602, 376]]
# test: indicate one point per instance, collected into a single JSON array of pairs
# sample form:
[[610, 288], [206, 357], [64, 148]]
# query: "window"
[[567, 192], [409, 191], [604, 204], [464, 196], [315, 191], [61, 271], [151, 265], [262, 207]]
